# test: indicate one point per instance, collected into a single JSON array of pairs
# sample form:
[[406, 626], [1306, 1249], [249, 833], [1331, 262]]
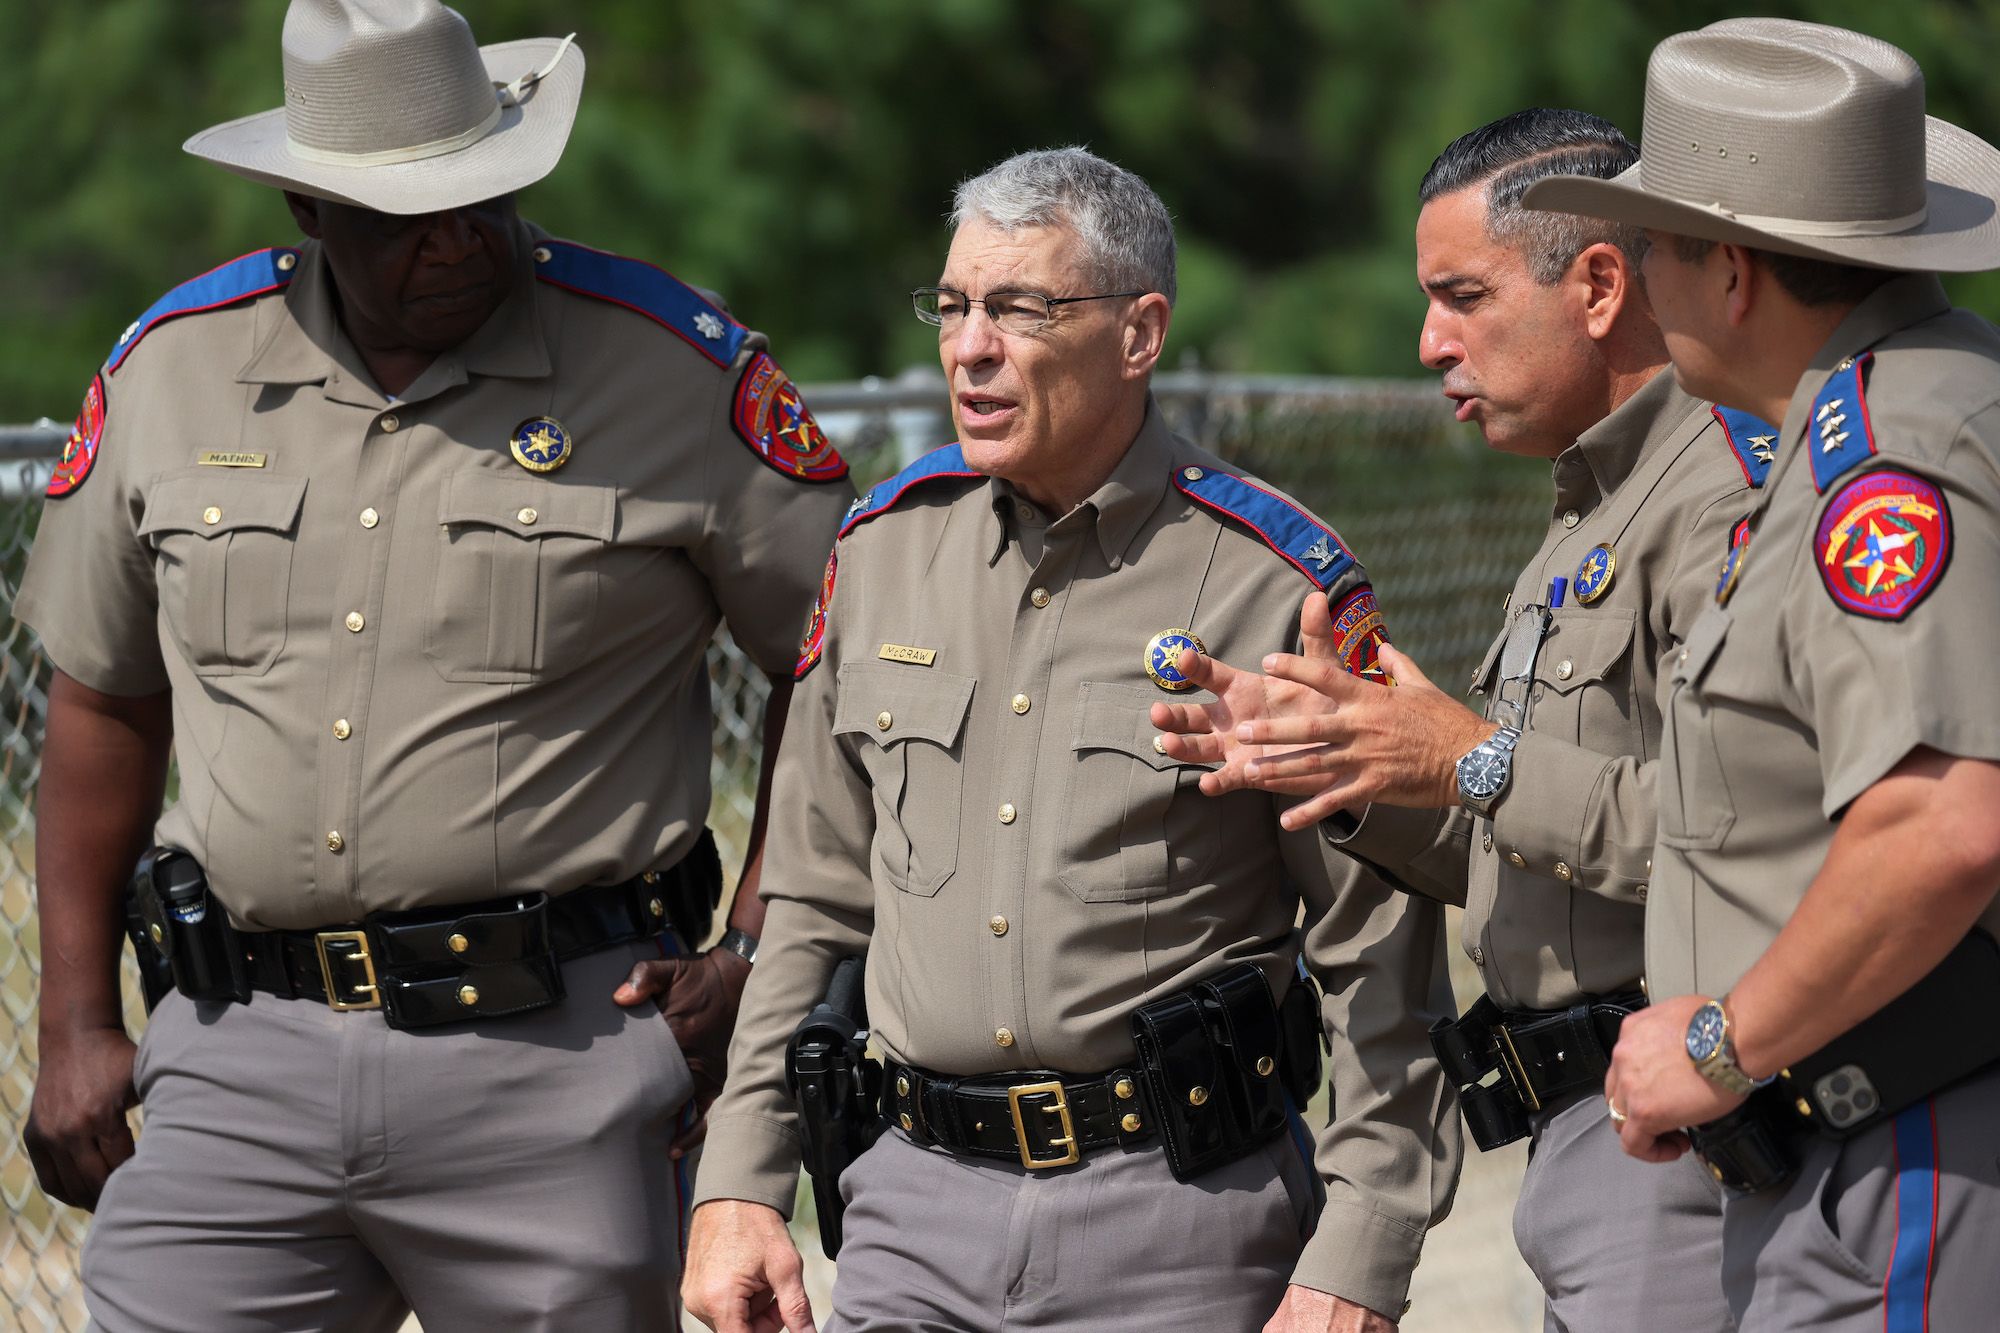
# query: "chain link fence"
[[1441, 522]]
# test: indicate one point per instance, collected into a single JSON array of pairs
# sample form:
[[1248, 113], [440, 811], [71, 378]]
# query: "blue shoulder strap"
[[1313, 548], [1839, 437], [933, 466], [639, 286], [240, 279], [1751, 439]]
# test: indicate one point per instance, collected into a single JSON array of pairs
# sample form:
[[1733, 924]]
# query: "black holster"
[[837, 1089], [186, 929]]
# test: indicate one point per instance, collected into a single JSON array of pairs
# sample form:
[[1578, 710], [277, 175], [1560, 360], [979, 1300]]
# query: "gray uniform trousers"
[[1618, 1244], [303, 1169], [939, 1243], [1895, 1231]]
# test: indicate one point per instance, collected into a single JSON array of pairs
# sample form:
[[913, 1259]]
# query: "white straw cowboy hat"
[[1802, 139], [390, 104]]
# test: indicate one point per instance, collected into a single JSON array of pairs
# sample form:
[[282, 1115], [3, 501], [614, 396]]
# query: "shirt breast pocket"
[[906, 725], [514, 597], [1134, 822], [1696, 809], [222, 559], [1583, 687]]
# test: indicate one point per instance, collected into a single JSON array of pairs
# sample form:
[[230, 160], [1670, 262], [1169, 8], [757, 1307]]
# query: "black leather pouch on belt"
[[1751, 1148], [426, 960], [188, 928], [1493, 1109], [1210, 1057], [692, 890]]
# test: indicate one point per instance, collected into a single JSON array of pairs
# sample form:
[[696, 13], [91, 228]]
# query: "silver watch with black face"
[[1485, 769]]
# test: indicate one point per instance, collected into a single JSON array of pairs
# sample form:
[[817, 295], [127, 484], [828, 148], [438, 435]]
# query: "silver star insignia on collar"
[[708, 326]]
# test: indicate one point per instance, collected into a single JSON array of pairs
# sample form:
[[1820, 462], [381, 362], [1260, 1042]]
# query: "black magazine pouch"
[[1202, 1050]]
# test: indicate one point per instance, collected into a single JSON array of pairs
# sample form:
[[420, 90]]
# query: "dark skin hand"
[[104, 773], [412, 286], [700, 993]]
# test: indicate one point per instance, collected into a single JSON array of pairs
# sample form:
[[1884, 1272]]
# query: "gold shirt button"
[[1565, 669], [1159, 745], [1562, 870], [1478, 954], [468, 995], [527, 515], [1021, 704], [1649, 865], [341, 731], [355, 622], [1007, 813], [1571, 518], [211, 516], [458, 943], [369, 518], [998, 925], [1004, 1037], [1515, 859], [1040, 597], [1486, 842], [883, 720], [334, 842], [1642, 893], [391, 423], [1025, 512]]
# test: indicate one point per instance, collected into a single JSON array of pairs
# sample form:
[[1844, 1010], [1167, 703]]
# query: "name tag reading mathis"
[[227, 458], [897, 652]]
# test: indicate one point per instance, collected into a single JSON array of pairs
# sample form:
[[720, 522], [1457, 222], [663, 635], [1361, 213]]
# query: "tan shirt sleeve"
[[1425, 852], [819, 889], [1390, 1154], [89, 591], [764, 539]]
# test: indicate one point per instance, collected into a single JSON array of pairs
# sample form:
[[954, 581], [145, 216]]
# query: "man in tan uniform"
[[1544, 337], [411, 537], [973, 796], [1820, 936]]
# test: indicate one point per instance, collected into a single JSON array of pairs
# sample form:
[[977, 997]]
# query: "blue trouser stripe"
[[1906, 1294], [1302, 1141]]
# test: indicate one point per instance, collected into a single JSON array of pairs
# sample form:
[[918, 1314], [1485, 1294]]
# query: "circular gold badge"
[[1163, 653], [540, 444]]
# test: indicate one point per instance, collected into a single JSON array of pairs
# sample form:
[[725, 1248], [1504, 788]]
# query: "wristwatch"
[[1713, 1051], [1485, 769], [739, 942]]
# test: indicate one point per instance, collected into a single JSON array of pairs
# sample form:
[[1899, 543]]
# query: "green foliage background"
[[798, 156]]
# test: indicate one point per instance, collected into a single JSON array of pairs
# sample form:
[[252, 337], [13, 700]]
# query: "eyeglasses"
[[1011, 312]]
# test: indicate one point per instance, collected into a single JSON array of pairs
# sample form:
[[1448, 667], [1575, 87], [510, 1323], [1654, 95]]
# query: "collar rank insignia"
[[79, 453], [1839, 436], [540, 444], [1358, 636], [1882, 543], [1751, 439], [1163, 652], [1305, 543], [708, 326], [1593, 575]]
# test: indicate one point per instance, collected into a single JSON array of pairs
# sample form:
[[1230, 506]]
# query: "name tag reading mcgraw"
[[896, 652], [223, 458]]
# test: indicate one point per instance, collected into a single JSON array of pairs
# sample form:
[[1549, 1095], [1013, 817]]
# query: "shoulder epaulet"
[[883, 496], [1314, 549], [639, 286], [254, 274], [1839, 437], [1752, 439]]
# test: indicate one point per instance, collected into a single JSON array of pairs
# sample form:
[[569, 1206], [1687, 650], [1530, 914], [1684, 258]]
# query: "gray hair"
[[1124, 231], [1513, 153]]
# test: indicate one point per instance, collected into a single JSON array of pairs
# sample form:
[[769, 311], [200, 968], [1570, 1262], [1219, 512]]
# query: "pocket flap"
[[890, 704], [527, 506], [1115, 717], [1704, 641], [1583, 647], [208, 504]]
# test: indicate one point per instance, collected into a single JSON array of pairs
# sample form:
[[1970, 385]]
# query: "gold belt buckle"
[[1060, 1109], [1517, 1071], [360, 954]]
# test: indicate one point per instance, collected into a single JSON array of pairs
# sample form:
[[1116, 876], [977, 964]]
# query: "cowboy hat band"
[[1804, 139]]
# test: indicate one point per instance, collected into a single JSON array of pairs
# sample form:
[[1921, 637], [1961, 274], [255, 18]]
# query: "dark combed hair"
[[1514, 152], [1810, 282]]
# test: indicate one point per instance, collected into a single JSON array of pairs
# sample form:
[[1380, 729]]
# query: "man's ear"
[[1742, 288], [1146, 334], [305, 212], [1608, 283]]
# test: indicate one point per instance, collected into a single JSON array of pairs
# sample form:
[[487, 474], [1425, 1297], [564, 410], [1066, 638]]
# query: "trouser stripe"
[[1906, 1292]]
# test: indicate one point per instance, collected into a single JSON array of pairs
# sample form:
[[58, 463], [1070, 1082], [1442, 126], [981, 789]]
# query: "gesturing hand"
[[699, 994]]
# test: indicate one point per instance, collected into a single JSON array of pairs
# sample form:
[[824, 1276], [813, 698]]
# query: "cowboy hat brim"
[[521, 149], [1960, 232]]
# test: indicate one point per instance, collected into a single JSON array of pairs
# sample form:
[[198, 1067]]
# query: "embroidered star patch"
[[1882, 543], [814, 642], [79, 453], [774, 421], [1359, 636]]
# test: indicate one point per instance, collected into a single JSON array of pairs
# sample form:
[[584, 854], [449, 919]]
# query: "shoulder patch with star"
[[644, 289], [79, 453], [1308, 545], [247, 276], [1359, 635], [1883, 542], [814, 643], [778, 426], [1752, 439]]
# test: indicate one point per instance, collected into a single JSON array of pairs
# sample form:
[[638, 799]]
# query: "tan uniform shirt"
[[1785, 705], [1557, 880], [997, 829], [406, 670]]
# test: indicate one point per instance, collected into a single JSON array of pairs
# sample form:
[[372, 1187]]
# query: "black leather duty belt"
[[1541, 1055], [1039, 1118]]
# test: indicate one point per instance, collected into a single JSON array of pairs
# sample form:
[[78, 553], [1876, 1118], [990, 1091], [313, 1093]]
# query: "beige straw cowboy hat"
[[391, 105], [1803, 139]]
